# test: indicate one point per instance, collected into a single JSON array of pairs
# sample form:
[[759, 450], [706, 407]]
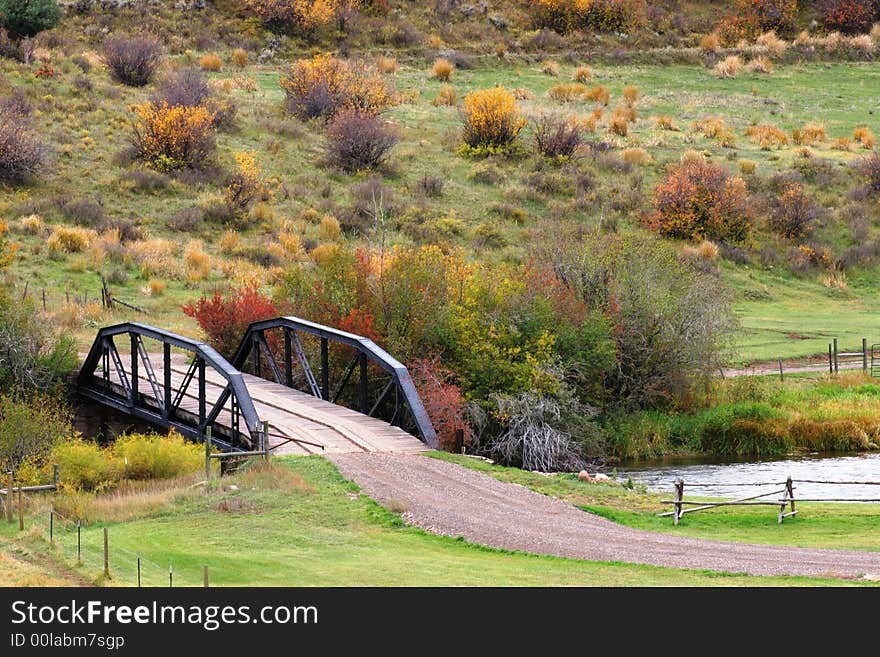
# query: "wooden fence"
[[785, 491]]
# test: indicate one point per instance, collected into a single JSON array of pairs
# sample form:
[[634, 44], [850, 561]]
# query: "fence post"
[[208, 454], [784, 502], [790, 488], [830, 361], [864, 354], [459, 441], [206, 576], [679, 494], [51, 525], [9, 497], [265, 438], [170, 575], [20, 510], [79, 560], [781, 375], [106, 555], [56, 471], [836, 364]]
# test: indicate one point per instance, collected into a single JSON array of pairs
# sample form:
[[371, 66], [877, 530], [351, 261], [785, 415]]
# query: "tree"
[[26, 18]]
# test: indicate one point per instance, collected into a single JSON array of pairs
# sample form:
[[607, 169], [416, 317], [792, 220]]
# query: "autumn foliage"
[[596, 15], [443, 400], [701, 200], [753, 17], [492, 119], [225, 318], [324, 85], [847, 16], [169, 138], [296, 16]]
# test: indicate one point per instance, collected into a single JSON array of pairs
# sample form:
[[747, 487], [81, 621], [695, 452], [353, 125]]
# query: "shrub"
[[846, 16], [598, 94], [550, 68], [760, 65], [700, 200], [566, 92], [443, 400], [582, 74], [729, 67], [302, 17], [168, 137], [210, 62], [594, 15], [793, 214], [767, 136], [68, 239], [152, 456], [445, 96], [710, 43], [240, 58], [386, 65], [225, 318], [26, 18], [442, 69], [85, 466], [357, 141], [132, 61], [492, 120], [324, 85], [630, 95], [666, 123], [555, 137], [29, 427], [618, 125], [864, 136], [21, 152], [636, 156], [809, 134], [244, 184], [869, 167]]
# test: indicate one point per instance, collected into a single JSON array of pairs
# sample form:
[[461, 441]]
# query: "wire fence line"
[[81, 546]]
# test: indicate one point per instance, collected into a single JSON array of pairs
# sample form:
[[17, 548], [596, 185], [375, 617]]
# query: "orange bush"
[[323, 85], [169, 138], [767, 136], [210, 62], [700, 200], [297, 16], [444, 402], [847, 16], [492, 119], [442, 69], [239, 58]]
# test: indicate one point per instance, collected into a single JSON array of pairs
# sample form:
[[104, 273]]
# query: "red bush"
[[443, 401], [847, 16], [224, 319]]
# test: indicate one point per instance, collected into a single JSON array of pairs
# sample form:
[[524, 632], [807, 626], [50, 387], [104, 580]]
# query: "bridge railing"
[[137, 390], [261, 345]]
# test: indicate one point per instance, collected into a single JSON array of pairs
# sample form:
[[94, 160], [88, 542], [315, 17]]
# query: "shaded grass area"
[[320, 532], [833, 526]]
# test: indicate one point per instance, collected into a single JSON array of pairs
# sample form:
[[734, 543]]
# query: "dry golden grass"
[[767, 136], [435, 41], [760, 64], [710, 43], [772, 44], [566, 92], [521, 93], [803, 39], [155, 257], [386, 65], [666, 123], [630, 95], [841, 144], [835, 278], [832, 42], [626, 112], [446, 96], [711, 127], [239, 58], [748, 167], [156, 287], [70, 239], [70, 316], [863, 43], [864, 137], [811, 133], [598, 94], [619, 126], [210, 62], [229, 242], [500, 50], [442, 69], [18, 571], [329, 229], [268, 475], [636, 156], [585, 123], [550, 67], [197, 262], [291, 242], [31, 224], [875, 32], [729, 67], [582, 74]]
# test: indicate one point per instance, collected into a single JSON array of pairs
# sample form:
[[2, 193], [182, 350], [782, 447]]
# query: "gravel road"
[[445, 498]]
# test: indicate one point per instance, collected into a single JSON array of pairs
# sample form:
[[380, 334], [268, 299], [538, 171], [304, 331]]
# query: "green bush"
[[151, 456], [85, 466], [26, 18], [29, 428]]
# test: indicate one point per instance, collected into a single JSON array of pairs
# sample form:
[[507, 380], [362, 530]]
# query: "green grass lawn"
[[325, 534], [837, 526]]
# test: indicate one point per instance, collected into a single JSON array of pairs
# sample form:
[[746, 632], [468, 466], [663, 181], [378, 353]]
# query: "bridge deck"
[[297, 415]]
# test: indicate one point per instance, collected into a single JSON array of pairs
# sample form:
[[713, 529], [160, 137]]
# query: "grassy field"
[[312, 528], [836, 526]]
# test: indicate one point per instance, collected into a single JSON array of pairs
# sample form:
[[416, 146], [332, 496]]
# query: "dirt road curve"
[[448, 499]]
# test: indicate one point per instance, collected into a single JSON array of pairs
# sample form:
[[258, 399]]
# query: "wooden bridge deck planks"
[[296, 414]]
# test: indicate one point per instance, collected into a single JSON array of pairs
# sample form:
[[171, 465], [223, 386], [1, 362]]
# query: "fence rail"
[[787, 499]]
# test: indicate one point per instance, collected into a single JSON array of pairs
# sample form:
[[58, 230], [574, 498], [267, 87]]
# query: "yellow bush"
[[666, 123], [32, 224], [173, 137], [386, 65], [210, 62], [626, 112], [748, 167], [772, 44], [598, 94], [729, 67], [229, 242], [84, 465], [636, 156], [197, 262], [566, 92], [841, 144], [70, 239], [445, 96], [492, 119], [809, 134], [329, 230], [767, 136], [244, 184], [710, 43], [864, 136], [323, 85], [156, 287], [239, 58], [710, 127], [152, 456], [501, 50], [155, 257], [442, 69], [619, 126], [582, 74]]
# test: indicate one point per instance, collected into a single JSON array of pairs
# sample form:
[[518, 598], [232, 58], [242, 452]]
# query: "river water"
[[660, 475]]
